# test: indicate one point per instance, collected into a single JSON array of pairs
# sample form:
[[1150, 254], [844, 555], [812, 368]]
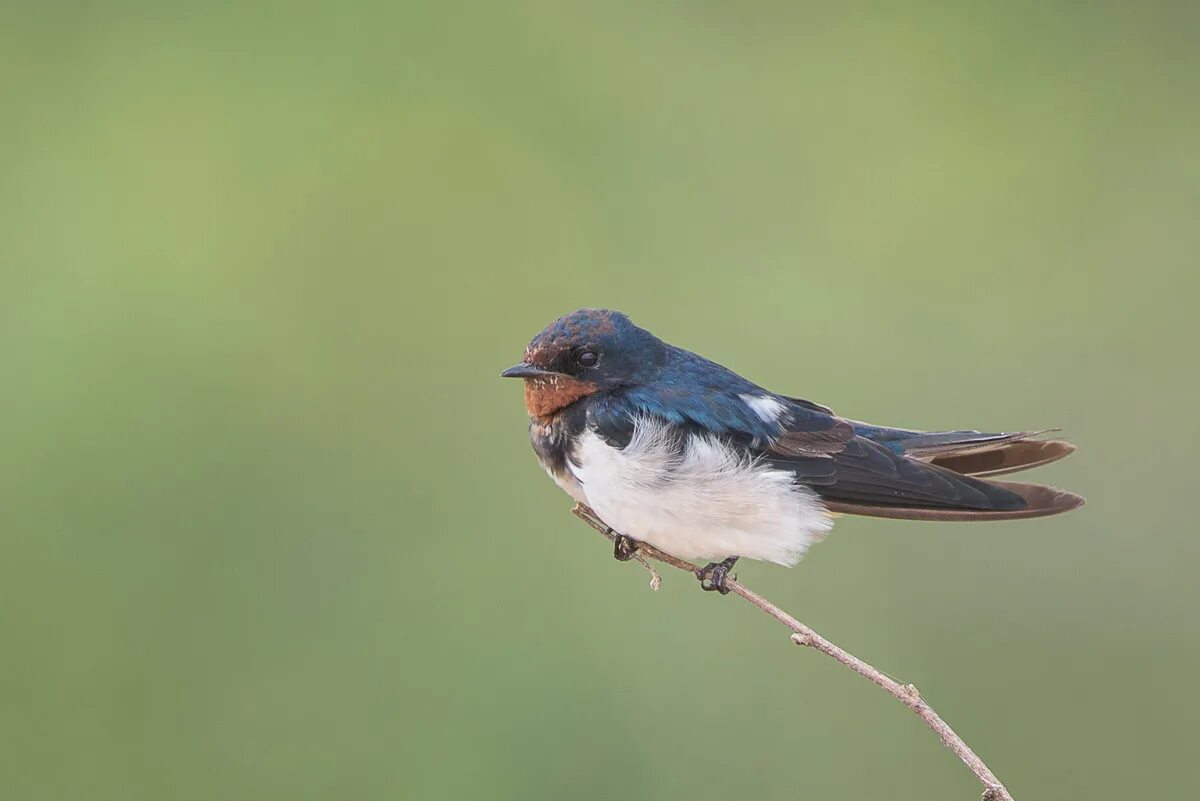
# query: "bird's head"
[[583, 353]]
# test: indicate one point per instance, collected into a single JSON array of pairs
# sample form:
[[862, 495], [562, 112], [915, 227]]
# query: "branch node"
[[913, 693], [588, 516], [802, 639]]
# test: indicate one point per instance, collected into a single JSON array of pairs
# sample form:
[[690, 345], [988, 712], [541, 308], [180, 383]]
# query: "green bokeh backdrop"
[[271, 528]]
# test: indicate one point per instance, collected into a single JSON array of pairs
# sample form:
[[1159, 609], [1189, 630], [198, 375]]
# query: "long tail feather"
[[972, 453], [1008, 457]]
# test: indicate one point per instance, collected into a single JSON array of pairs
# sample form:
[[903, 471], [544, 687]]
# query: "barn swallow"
[[673, 450]]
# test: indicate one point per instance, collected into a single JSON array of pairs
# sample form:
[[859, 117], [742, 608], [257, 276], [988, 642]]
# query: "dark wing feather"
[[858, 475], [1040, 501], [807, 404], [822, 440], [862, 471]]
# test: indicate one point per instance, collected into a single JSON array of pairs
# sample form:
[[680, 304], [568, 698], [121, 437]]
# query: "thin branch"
[[803, 635]]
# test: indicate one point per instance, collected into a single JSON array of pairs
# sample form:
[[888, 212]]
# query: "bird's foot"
[[713, 575], [624, 548]]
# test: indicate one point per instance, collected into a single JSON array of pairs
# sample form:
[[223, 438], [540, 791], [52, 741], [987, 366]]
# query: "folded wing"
[[915, 475]]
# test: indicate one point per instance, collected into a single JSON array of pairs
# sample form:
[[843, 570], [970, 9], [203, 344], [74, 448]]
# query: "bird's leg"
[[712, 576], [624, 548]]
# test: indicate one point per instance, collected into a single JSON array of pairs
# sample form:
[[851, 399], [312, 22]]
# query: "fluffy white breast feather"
[[702, 501]]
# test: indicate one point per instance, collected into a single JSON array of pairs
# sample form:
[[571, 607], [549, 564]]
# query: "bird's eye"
[[587, 358]]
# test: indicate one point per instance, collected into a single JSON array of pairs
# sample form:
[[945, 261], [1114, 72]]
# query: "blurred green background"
[[271, 525]]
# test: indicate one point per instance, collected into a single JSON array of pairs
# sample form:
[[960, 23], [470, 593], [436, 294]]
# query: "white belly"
[[704, 501]]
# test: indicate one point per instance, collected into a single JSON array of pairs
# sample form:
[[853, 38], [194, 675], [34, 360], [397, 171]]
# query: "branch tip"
[[907, 694]]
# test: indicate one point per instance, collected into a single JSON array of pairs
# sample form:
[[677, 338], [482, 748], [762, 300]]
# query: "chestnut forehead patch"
[[544, 356], [578, 328]]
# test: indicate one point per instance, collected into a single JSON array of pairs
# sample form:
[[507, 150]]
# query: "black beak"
[[525, 370]]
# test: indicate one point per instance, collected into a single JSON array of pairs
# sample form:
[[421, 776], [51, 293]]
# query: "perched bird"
[[676, 451]]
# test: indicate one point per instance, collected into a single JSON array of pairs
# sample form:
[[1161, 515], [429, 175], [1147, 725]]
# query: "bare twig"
[[655, 579], [803, 635]]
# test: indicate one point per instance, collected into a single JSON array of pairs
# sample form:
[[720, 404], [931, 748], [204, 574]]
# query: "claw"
[[624, 548], [713, 575]]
